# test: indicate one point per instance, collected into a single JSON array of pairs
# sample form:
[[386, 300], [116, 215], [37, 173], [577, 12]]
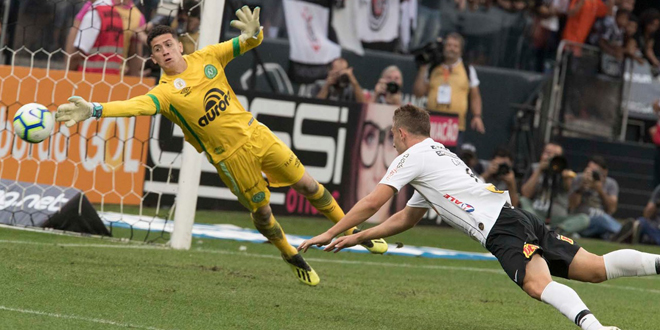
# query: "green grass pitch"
[[61, 282]]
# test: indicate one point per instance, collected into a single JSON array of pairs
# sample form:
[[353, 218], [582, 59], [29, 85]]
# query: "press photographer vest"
[[456, 77], [109, 46]]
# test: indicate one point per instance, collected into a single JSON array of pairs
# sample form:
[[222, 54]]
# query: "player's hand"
[[319, 241], [248, 22], [342, 243], [76, 111]]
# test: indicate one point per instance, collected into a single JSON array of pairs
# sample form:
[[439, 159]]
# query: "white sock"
[[567, 301], [631, 263]]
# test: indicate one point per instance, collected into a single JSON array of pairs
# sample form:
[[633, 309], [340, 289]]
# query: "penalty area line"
[[74, 317]]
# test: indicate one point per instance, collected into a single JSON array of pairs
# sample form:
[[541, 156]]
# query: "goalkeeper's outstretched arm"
[[78, 109]]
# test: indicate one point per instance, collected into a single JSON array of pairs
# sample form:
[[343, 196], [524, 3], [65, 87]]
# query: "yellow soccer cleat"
[[375, 246], [303, 271]]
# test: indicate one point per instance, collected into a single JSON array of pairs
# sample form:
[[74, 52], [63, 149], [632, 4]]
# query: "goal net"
[[54, 49]]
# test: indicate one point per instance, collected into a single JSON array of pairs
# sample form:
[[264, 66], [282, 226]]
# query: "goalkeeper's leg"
[[323, 201], [266, 224]]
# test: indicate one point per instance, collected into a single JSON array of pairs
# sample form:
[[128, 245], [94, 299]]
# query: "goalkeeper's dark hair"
[[415, 120], [160, 30]]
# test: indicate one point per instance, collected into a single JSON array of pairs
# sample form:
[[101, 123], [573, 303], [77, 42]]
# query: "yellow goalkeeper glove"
[[77, 110], [248, 23]]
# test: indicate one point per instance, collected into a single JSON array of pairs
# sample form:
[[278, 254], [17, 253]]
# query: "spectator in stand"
[[632, 49], [100, 37], [595, 194], [537, 190], [388, 89], [340, 85], [452, 86], [185, 23], [428, 23], [649, 25], [132, 22], [581, 17], [611, 42], [500, 173], [546, 31]]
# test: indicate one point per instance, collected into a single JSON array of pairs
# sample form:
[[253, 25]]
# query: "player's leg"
[[539, 285], [266, 224], [589, 267], [241, 172], [283, 169]]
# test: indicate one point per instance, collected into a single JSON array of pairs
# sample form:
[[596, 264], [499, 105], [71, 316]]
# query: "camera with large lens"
[[392, 87], [431, 53], [343, 81], [595, 175], [557, 164], [503, 169]]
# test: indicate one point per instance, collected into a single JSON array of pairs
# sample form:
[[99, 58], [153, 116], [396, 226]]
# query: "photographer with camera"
[[450, 84], [388, 90], [595, 194], [545, 192], [500, 173], [340, 85]]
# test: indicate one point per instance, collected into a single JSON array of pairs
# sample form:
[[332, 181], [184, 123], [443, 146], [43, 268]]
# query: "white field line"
[[334, 261], [74, 317]]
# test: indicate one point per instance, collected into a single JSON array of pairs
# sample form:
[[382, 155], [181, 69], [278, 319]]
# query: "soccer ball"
[[33, 123]]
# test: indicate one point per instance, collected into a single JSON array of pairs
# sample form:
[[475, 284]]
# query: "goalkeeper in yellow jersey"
[[194, 94]]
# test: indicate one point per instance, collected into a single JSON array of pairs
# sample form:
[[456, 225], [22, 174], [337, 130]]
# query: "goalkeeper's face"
[[166, 51]]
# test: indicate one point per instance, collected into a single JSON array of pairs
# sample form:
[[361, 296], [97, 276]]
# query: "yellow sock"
[[323, 201], [274, 233]]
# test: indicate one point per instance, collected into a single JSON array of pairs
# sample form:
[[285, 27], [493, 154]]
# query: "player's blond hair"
[[413, 119]]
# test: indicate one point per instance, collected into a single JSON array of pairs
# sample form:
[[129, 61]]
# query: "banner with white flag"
[[307, 23]]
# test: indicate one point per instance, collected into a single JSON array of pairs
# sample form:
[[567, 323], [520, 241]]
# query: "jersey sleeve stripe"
[[156, 102], [237, 47], [183, 121]]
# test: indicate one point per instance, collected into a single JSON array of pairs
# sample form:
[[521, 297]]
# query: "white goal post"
[[186, 198]]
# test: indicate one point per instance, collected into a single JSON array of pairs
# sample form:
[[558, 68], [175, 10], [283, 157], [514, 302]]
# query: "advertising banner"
[[103, 158]]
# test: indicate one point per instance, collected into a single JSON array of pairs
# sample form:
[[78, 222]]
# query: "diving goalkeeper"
[[194, 94]]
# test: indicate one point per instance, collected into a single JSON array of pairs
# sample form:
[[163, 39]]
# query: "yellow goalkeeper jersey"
[[200, 101]]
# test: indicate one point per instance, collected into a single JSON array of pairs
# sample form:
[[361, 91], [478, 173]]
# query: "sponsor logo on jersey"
[[186, 91], [464, 206], [179, 83], [258, 197], [565, 239], [402, 161], [529, 249], [378, 14], [210, 71], [215, 101]]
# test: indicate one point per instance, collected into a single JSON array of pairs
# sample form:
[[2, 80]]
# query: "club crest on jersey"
[[529, 249], [464, 206], [565, 239], [215, 101], [210, 71], [179, 83]]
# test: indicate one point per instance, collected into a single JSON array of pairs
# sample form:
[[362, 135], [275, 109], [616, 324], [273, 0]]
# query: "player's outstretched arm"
[[397, 223], [362, 211], [78, 109]]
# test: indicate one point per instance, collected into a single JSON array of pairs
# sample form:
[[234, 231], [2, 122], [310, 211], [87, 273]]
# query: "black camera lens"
[[343, 81], [595, 175], [503, 169], [558, 164], [392, 87]]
